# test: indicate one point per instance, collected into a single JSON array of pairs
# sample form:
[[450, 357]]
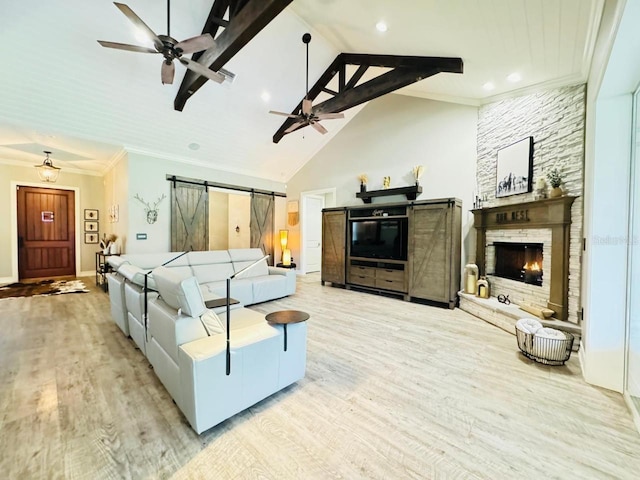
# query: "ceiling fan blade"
[[283, 114], [196, 44], [330, 116], [202, 70], [167, 73], [306, 106], [137, 21], [295, 126], [126, 46], [319, 128]]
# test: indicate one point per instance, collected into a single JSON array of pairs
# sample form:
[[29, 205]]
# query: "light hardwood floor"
[[393, 390]]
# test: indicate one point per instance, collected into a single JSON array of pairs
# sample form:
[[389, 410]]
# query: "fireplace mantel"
[[552, 213]]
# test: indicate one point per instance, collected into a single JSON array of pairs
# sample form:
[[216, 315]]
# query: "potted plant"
[[417, 173], [363, 182], [555, 180]]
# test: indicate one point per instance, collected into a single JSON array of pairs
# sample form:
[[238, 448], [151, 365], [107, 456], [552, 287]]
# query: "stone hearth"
[[505, 316]]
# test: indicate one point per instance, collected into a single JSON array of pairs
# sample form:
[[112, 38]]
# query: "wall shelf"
[[410, 192]]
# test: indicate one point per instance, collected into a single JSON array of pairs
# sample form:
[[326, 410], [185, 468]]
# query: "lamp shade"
[[284, 238], [286, 257], [47, 172]]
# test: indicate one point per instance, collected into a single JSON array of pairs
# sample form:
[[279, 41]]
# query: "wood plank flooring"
[[393, 390]]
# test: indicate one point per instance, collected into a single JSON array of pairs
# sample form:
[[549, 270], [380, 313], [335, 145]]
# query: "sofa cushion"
[[243, 257], [268, 287], [208, 257], [135, 274], [179, 292], [211, 322], [241, 290], [116, 261]]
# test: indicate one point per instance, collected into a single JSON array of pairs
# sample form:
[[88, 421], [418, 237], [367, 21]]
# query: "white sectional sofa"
[[187, 348], [129, 301]]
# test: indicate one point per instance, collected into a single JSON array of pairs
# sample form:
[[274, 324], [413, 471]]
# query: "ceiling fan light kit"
[[305, 116], [169, 47]]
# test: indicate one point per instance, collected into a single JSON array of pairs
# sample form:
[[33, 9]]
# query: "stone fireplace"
[[521, 262], [523, 249]]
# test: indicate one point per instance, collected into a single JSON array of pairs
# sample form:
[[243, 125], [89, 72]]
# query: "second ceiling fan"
[[169, 47], [306, 116]]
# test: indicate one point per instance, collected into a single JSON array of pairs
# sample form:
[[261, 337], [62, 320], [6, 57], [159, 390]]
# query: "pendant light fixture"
[[47, 172]]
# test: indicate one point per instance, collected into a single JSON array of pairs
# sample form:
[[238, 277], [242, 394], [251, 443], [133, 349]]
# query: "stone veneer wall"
[[556, 120]]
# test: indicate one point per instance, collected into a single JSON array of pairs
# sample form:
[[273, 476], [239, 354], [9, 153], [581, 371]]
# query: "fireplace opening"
[[521, 262]]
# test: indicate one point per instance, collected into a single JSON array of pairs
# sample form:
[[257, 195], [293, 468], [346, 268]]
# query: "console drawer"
[[359, 270], [358, 278], [388, 274], [395, 285]]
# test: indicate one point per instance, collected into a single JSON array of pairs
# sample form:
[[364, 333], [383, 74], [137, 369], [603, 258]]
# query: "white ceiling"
[[62, 91]]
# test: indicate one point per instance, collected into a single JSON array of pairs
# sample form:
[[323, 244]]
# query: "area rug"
[[43, 287]]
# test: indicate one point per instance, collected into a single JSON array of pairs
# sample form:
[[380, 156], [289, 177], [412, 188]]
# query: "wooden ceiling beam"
[[355, 78], [406, 70], [251, 19]]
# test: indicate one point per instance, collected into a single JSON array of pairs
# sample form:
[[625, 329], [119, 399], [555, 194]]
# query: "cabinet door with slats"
[[334, 238], [430, 252]]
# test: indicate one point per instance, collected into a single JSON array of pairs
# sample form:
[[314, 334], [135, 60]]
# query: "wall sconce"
[[292, 212], [286, 253], [47, 172], [237, 228]]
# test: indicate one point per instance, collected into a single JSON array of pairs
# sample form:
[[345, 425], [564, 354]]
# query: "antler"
[[155, 205], [137, 197]]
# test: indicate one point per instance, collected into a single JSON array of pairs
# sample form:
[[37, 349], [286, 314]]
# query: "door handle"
[[20, 242]]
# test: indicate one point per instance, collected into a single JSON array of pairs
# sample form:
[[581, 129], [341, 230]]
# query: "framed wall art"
[[91, 214], [90, 226], [514, 168], [90, 238]]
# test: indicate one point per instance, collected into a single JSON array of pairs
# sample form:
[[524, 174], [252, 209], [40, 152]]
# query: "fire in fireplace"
[[519, 261]]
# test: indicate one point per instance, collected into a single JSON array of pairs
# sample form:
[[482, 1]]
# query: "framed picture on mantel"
[[514, 168]]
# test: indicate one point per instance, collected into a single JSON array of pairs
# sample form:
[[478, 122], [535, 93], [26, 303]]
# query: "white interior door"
[[313, 232]]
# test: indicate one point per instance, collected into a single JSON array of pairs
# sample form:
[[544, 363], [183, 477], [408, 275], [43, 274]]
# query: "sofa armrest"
[[290, 274]]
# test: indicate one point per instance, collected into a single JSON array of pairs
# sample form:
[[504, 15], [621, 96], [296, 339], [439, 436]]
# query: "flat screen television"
[[384, 238]]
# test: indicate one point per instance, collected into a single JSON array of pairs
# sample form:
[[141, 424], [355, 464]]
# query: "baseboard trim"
[[86, 273], [4, 280]]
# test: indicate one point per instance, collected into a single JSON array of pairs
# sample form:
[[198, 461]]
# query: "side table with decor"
[[102, 268]]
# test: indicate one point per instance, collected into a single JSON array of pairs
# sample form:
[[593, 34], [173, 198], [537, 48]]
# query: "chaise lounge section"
[[187, 348]]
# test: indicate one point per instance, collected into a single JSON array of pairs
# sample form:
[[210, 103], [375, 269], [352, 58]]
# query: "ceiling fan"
[[169, 47], [306, 116]]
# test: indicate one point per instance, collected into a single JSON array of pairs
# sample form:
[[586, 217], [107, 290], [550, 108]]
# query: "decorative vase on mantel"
[[363, 187], [555, 192]]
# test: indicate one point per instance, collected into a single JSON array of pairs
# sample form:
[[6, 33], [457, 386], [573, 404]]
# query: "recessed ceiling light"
[[489, 86], [514, 77], [381, 26], [266, 96], [194, 146]]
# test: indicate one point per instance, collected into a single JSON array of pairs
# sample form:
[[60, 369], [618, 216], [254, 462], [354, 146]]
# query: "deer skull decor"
[[152, 213]]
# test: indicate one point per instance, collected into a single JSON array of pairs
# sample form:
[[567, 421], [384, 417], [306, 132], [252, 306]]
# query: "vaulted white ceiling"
[[61, 91]]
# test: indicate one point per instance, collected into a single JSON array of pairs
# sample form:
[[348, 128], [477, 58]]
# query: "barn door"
[[46, 232], [261, 225], [334, 240], [189, 217], [430, 252]]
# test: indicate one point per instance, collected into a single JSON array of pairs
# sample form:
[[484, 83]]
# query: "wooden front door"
[[46, 232], [189, 217]]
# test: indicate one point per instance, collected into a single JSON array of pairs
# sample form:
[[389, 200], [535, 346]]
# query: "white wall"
[[147, 178], [390, 136]]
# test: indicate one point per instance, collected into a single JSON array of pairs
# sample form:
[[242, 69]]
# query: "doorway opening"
[[311, 205]]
